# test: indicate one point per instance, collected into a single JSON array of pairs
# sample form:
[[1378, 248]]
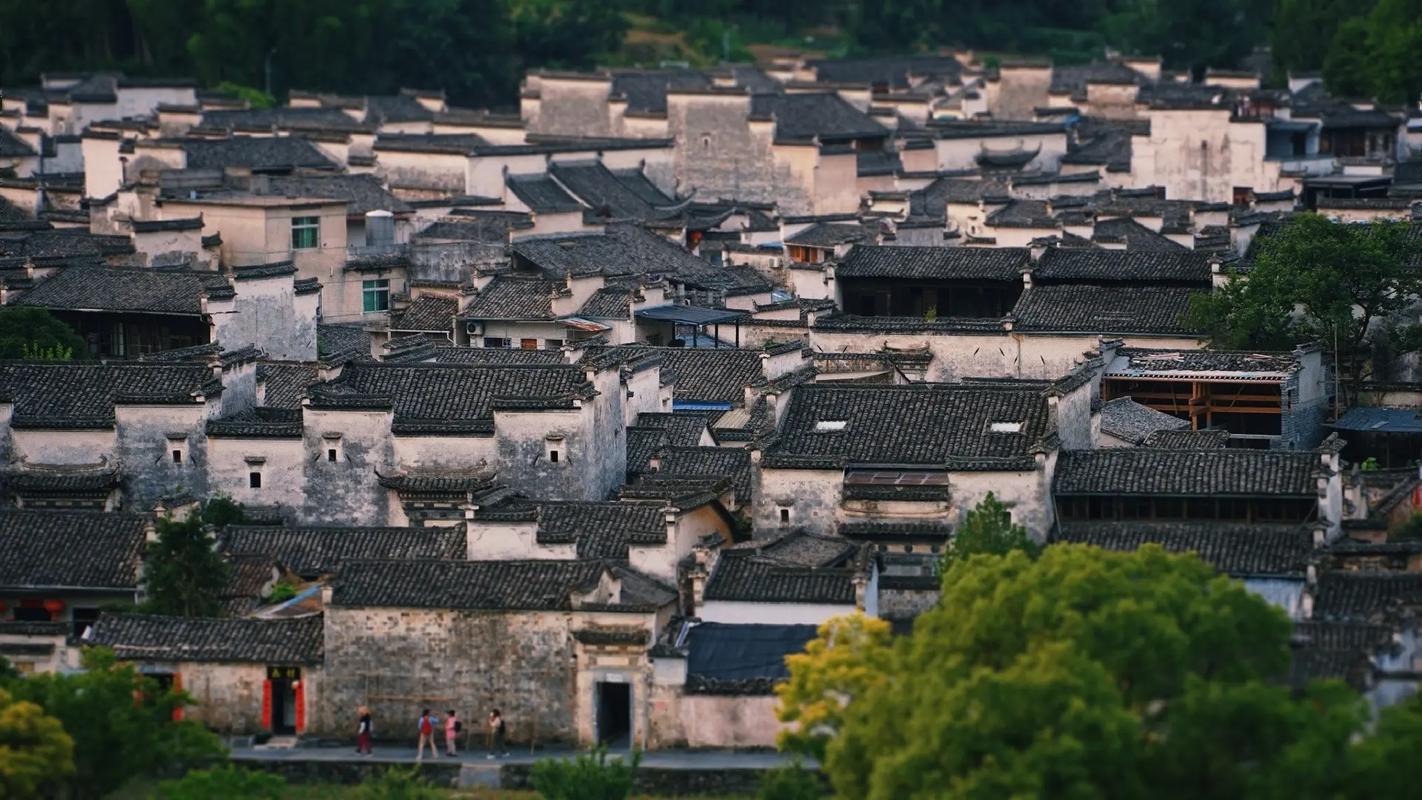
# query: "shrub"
[[397, 784], [1410, 529], [790, 782], [224, 783], [590, 776], [282, 591]]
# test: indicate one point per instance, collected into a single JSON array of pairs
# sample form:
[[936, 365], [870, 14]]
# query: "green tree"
[[184, 575], [36, 755], [221, 511], [1324, 281], [1303, 31], [988, 530], [848, 658], [224, 783], [34, 333], [121, 722], [1347, 62], [790, 782], [1079, 673], [589, 776]]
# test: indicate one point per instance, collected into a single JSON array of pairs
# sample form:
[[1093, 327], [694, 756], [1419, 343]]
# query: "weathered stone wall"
[[267, 313], [347, 492], [398, 662], [282, 462], [573, 107], [142, 446], [229, 696], [721, 153], [704, 720]]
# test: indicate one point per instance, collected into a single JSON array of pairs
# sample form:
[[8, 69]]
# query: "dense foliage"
[[120, 723], [36, 334], [589, 776], [224, 783], [987, 530], [476, 49], [36, 755], [1343, 285], [1369, 48], [184, 574], [1086, 673]]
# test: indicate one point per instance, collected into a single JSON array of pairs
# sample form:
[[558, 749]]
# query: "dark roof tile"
[[1191, 473], [312, 552], [146, 637], [71, 549]]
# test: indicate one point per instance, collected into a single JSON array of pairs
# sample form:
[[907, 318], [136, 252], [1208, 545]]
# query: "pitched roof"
[[1082, 308], [645, 90], [515, 297], [1022, 214], [609, 302], [12, 146], [1094, 265], [705, 374], [541, 585], [621, 250], [148, 291], [1237, 549], [426, 313], [1155, 362], [362, 193], [935, 263], [1136, 237], [731, 462], [78, 395], [310, 552], [336, 340], [805, 116], [149, 637], [256, 152], [601, 529], [827, 234], [542, 194], [284, 383], [450, 398], [797, 568], [606, 194], [70, 549], [1193, 473], [1206, 439], [1132, 422], [742, 659], [495, 356], [1365, 595], [957, 426]]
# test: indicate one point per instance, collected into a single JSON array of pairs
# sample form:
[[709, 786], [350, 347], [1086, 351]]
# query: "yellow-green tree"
[[848, 657], [36, 755]]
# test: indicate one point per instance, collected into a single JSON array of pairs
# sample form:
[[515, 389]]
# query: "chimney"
[[861, 590], [326, 592], [669, 515]]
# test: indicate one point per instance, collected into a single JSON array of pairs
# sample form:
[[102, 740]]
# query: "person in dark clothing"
[[363, 733]]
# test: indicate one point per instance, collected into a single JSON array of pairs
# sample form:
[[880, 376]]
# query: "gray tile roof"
[[80, 395], [1208, 439], [1081, 265], [1365, 596], [542, 194], [718, 462], [1132, 422], [148, 637], [63, 243], [1191, 473], [1023, 214], [1241, 550], [286, 382], [337, 340], [256, 152], [138, 290], [1136, 237], [12, 146], [935, 263], [828, 234], [490, 227], [893, 71], [798, 568], [741, 659], [945, 425], [1102, 310], [70, 549], [362, 193], [496, 356], [606, 194], [515, 297], [542, 585], [312, 552], [704, 374], [450, 399], [646, 90], [601, 529], [284, 117], [805, 116], [426, 313], [609, 302], [622, 250], [1141, 361]]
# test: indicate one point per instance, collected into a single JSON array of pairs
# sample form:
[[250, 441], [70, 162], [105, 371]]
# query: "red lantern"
[[54, 606], [3, 607]]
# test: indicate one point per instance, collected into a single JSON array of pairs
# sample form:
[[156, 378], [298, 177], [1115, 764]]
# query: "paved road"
[[665, 759]]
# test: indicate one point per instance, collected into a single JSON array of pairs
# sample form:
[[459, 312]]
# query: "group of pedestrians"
[[428, 724]]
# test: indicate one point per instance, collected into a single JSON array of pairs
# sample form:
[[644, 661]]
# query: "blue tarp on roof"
[[1380, 420], [723, 651]]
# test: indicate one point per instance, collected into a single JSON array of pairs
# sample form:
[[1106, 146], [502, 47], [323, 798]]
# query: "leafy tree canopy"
[[121, 722], [988, 530], [1087, 673], [1317, 280], [34, 333], [36, 755], [184, 574]]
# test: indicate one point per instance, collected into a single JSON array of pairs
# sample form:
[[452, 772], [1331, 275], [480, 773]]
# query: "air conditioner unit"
[[474, 328]]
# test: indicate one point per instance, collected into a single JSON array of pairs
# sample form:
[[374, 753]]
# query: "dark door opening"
[[283, 707], [614, 714]]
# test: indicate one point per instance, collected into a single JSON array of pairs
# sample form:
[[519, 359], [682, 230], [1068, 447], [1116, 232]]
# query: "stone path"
[[396, 754]]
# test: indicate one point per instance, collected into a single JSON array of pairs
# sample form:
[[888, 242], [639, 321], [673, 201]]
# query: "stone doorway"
[[614, 714]]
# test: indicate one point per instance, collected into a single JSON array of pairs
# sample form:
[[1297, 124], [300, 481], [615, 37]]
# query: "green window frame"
[[305, 233], [375, 295]]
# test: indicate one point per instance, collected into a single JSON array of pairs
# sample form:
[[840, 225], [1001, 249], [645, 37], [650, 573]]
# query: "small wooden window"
[[254, 480]]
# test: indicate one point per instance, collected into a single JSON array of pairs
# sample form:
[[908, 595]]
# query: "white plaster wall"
[[63, 447], [770, 613], [283, 472]]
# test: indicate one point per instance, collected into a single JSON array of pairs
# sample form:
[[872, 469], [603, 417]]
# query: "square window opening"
[[254, 480], [177, 456], [553, 456], [784, 516], [375, 296], [331, 454], [305, 232]]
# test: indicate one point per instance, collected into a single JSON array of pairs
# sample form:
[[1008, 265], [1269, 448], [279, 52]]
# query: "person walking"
[[496, 734], [427, 728], [363, 733], [452, 727]]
